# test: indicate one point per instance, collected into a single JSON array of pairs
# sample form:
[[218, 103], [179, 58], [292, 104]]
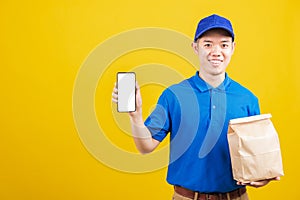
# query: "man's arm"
[[141, 135]]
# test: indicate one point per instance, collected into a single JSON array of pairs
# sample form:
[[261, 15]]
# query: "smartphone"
[[126, 91]]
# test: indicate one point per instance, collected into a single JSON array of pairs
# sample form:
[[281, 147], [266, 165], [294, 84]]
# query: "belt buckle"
[[213, 197]]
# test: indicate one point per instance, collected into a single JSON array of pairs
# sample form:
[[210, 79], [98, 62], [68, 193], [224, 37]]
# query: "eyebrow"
[[225, 40], [207, 41]]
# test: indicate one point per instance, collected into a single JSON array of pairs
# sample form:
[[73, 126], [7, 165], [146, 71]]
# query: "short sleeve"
[[158, 121], [255, 109]]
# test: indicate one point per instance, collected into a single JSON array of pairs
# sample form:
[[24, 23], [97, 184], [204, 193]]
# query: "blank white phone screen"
[[126, 91]]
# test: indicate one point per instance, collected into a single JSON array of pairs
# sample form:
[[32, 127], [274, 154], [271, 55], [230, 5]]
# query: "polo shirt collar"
[[203, 86]]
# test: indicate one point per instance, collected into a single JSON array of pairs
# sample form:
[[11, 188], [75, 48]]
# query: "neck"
[[213, 80]]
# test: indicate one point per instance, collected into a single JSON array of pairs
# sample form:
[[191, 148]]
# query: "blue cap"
[[212, 22]]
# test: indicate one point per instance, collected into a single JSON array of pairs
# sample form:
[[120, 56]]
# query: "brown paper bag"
[[254, 149]]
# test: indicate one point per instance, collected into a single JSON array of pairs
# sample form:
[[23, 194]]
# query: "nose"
[[216, 50]]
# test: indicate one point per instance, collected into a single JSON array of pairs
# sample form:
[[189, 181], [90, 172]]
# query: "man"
[[196, 113]]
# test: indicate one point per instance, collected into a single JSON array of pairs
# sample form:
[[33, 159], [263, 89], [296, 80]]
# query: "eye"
[[207, 45], [224, 45]]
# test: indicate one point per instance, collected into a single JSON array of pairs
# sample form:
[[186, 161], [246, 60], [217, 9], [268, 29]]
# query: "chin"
[[217, 73]]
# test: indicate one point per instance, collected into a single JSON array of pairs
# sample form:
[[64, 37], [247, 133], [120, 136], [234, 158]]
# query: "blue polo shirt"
[[197, 115]]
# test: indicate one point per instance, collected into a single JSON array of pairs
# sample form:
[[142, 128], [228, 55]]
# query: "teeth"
[[215, 62]]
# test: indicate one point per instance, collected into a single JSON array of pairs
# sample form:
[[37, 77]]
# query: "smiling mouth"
[[215, 62]]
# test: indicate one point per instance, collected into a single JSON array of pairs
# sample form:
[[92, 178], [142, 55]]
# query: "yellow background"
[[44, 43]]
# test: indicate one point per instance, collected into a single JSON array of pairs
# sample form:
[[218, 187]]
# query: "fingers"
[[254, 183], [138, 96], [259, 183], [115, 94]]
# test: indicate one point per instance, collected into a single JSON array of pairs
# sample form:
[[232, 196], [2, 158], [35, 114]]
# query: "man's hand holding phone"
[[142, 137], [126, 94]]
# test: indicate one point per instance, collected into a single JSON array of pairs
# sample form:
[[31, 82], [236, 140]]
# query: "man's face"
[[214, 50]]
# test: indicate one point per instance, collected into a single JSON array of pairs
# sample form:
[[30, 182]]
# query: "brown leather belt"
[[209, 196]]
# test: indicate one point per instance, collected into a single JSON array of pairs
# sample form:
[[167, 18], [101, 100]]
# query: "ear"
[[233, 47], [195, 47]]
